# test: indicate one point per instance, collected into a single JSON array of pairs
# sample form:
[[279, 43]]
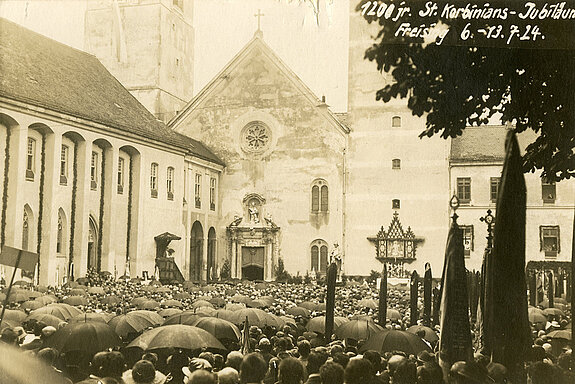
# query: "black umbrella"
[[177, 336], [90, 337], [390, 340]]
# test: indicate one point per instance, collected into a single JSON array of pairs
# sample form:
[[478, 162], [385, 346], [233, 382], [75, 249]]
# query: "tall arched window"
[[154, 179], [319, 196], [396, 121], [25, 230], [319, 257], [61, 237]]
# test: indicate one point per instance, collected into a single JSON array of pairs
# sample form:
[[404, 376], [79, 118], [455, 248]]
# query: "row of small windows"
[[198, 192], [548, 239], [154, 181], [463, 190]]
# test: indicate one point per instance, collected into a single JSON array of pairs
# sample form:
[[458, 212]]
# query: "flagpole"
[[10, 286]]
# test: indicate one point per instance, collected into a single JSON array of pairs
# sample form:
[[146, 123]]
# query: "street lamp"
[[489, 219]]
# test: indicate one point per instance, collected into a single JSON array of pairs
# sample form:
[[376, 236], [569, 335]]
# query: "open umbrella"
[[77, 292], [135, 322], [92, 316], [235, 306], [309, 305], [177, 336], [17, 367], [90, 337], [393, 315], [358, 329], [96, 291], [560, 334], [149, 304], [110, 300], [165, 313], [367, 303], [76, 300], [171, 304], [317, 324], [182, 295], [226, 315], [155, 283], [162, 289], [202, 303], [83, 280], [553, 312], [45, 300], [18, 296], [61, 310], [14, 315], [430, 334], [8, 324], [390, 340], [205, 311], [31, 305], [298, 311], [258, 304], [256, 317], [240, 299], [46, 319], [269, 299], [217, 301], [186, 318], [536, 315], [139, 300], [220, 328], [34, 294]]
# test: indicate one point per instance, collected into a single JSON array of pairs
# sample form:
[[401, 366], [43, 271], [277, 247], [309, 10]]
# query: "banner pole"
[[10, 286]]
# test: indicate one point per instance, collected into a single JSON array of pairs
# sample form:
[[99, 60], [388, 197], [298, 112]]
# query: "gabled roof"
[[479, 144], [485, 144], [42, 72], [257, 42]]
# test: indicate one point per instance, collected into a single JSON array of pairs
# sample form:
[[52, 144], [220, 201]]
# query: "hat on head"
[[143, 372], [48, 331], [196, 364]]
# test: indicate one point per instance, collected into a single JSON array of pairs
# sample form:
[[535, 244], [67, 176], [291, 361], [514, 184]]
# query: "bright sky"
[[316, 52]]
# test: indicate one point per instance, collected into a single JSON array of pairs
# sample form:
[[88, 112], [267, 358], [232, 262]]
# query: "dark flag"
[[507, 323], [550, 290], [330, 301], [481, 342], [455, 335], [559, 290], [382, 314], [413, 295], [436, 304], [427, 280], [532, 288], [246, 338]]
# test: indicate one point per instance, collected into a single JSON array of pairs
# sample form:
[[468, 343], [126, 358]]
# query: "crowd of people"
[[280, 350]]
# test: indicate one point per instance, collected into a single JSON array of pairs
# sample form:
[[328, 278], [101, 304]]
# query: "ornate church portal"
[[253, 242]]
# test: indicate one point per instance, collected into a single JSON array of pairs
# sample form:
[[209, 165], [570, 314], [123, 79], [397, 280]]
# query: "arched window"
[[396, 121], [30, 159], [170, 183], [61, 238], [396, 164], [319, 196], [319, 257], [154, 180], [25, 230]]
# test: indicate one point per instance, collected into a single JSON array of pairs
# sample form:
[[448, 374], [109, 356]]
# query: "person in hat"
[[463, 372], [196, 364]]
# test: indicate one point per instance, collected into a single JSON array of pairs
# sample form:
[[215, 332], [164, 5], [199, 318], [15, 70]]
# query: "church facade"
[[253, 170]]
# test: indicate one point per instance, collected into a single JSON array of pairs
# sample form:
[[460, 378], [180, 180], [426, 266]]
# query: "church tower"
[[393, 176], [148, 46]]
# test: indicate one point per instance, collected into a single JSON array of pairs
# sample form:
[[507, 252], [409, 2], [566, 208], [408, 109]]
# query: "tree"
[[457, 85], [281, 274], [226, 271]]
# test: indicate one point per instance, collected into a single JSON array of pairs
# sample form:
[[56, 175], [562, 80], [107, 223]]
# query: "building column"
[[204, 270], [15, 198], [79, 255], [109, 225], [135, 222], [239, 259], [268, 273], [49, 218], [234, 259]]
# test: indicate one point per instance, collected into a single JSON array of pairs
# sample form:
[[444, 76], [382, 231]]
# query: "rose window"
[[256, 137]]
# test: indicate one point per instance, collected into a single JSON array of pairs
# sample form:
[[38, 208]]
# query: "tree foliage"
[[457, 86]]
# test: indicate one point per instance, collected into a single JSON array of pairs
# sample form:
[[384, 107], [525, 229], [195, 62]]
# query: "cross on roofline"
[[259, 15]]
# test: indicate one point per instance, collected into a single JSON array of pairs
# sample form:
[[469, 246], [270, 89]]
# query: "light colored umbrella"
[[135, 322], [317, 324], [47, 299], [171, 304], [46, 319], [390, 340], [76, 300], [185, 318], [61, 310], [165, 313], [430, 334], [358, 329], [96, 291], [17, 367], [91, 316], [15, 315], [31, 305], [177, 336], [220, 328], [202, 303], [367, 303], [235, 306], [298, 311]]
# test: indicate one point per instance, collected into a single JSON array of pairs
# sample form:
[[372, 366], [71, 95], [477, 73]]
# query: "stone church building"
[[104, 159]]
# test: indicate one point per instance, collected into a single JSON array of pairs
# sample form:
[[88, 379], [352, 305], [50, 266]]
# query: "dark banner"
[[503, 24]]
